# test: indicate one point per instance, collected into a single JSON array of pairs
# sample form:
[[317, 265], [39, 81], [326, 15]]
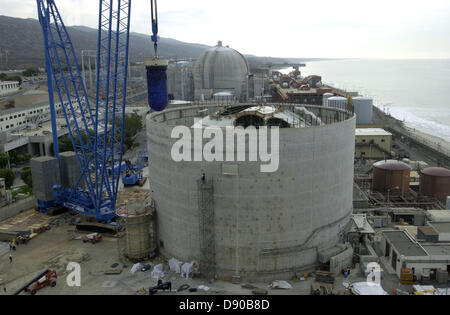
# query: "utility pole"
[[6, 57]]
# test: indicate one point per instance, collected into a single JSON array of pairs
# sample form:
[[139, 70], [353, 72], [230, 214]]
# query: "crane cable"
[[154, 9]]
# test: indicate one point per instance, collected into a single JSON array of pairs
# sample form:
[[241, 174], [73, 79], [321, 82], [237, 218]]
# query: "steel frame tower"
[[96, 131]]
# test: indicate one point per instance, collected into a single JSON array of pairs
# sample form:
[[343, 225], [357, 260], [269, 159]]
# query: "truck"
[[92, 238], [46, 279]]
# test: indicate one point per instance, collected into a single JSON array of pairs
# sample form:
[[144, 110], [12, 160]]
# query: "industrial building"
[[426, 260], [373, 143], [363, 108], [8, 87], [180, 80], [237, 221]]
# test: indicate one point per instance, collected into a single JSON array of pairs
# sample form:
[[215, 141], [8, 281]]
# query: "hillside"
[[23, 39]]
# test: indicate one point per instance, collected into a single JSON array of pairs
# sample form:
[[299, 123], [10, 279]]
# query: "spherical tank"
[[363, 109], [259, 225], [435, 182], [391, 175], [338, 102]]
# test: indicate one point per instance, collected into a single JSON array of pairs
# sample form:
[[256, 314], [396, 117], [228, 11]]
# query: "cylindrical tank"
[[138, 230], [157, 84], [326, 97], [265, 225], [338, 102], [391, 176], [363, 109], [435, 182]]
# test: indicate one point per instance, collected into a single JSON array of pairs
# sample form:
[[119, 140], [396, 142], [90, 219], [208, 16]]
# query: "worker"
[[10, 246], [4, 290], [204, 177], [10, 258]]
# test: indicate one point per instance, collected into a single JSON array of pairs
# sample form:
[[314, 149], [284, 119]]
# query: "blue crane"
[[96, 129]]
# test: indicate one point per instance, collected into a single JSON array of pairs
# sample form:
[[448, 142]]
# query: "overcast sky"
[[285, 28]]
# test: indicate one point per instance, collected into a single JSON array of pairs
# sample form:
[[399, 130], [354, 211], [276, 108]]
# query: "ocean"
[[414, 91]]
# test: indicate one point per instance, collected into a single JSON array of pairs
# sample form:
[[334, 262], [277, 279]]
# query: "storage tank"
[[138, 219], [326, 96], [338, 102], [363, 109], [435, 182], [390, 174]]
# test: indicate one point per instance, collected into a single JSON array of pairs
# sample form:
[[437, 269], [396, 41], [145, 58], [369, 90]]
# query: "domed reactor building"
[[221, 71], [228, 215]]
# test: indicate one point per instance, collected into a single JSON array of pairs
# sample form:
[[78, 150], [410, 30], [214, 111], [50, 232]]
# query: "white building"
[[401, 250], [20, 117], [8, 87]]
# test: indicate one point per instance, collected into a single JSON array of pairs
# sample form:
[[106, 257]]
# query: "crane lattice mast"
[[95, 128]]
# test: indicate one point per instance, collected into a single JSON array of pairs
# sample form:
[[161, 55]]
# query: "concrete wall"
[[16, 208], [266, 224]]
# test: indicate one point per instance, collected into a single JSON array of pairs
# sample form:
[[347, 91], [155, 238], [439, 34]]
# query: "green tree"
[[3, 160], [26, 176], [31, 72], [13, 157], [10, 104], [9, 177]]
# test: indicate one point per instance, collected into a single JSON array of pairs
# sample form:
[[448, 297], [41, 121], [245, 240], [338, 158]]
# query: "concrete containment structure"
[[221, 69], [237, 221], [138, 226]]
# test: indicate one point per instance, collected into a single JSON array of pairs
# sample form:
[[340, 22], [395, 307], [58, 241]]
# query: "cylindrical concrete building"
[[233, 217], [138, 230]]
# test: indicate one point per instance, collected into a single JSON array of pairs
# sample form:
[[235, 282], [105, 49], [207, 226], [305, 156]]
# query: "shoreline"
[[438, 147]]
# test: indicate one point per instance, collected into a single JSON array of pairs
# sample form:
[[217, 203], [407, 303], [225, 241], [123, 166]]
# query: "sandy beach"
[[432, 142]]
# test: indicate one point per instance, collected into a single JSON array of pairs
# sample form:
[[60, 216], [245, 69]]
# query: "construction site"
[[347, 209]]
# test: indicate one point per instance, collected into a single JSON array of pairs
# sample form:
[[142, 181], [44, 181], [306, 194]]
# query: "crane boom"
[[96, 131]]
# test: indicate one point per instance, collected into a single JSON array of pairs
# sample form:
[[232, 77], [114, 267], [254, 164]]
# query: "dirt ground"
[[57, 247]]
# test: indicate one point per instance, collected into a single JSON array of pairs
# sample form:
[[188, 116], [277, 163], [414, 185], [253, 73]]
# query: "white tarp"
[[136, 268], [280, 284], [187, 269], [203, 287], [157, 272], [175, 265], [366, 288]]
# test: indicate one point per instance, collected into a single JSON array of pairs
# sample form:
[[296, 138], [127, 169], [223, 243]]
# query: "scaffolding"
[[207, 228]]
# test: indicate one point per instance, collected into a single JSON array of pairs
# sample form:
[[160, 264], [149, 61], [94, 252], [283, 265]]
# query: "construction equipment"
[[49, 279], [95, 128], [92, 238], [46, 278], [133, 175]]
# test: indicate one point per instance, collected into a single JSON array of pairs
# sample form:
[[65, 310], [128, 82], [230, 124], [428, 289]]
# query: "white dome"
[[221, 69]]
